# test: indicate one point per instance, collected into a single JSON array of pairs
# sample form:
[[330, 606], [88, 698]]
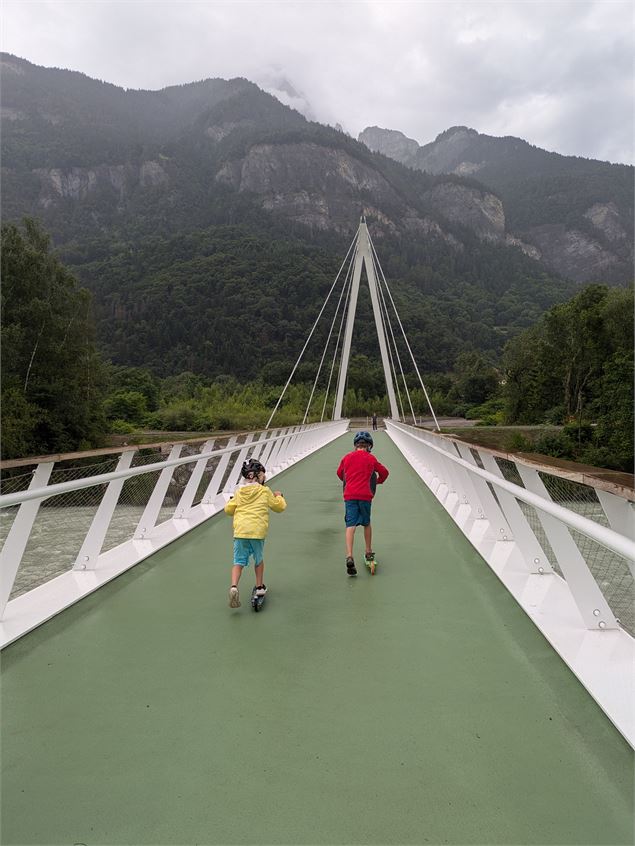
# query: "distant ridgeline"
[[576, 213], [208, 220]]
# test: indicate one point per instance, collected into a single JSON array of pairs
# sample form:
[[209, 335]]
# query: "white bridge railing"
[[65, 539], [565, 551]]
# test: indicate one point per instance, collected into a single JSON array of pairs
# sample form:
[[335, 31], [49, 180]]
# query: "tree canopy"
[[575, 366], [52, 377]]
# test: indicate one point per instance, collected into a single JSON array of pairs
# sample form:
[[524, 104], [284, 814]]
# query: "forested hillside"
[[573, 367], [237, 299], [191, 211], [195, 232]]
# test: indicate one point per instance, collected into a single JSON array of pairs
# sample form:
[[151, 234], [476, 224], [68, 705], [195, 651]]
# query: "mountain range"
[[195, 188], [576, 213]]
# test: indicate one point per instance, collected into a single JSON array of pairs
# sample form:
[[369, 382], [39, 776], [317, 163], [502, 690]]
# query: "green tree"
[[576, 366], [477, 380], [136, 379], [52, 377], [131, 406]]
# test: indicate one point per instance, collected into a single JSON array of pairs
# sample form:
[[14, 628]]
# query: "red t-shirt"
[[357, 471]]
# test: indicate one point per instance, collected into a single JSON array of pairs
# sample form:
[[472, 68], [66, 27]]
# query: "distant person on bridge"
[[250, 508], [374, 421], [360, 472]]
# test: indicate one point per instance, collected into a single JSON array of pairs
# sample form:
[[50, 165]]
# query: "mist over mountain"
[[197, 210]]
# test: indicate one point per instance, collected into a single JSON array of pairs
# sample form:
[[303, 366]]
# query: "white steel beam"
[[19, 534], [94, 540], [363, 257], [348, 332], [151, 511]]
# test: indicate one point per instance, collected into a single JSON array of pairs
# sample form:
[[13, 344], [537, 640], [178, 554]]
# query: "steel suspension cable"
[[394, 340], [306, 343], [349, 285], [385, 322], [393, 369], [372, 246], [319, 370]]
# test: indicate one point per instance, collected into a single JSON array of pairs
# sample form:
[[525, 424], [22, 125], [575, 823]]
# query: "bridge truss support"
[[363, 256]]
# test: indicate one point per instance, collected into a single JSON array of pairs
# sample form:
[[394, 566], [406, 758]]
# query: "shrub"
[[121, 427], [516, 442]]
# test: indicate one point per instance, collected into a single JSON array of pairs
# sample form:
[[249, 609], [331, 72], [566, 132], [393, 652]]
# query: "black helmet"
[[252, 468], [363, 438]]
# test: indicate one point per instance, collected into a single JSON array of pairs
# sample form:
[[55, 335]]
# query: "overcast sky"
[[558, 74]]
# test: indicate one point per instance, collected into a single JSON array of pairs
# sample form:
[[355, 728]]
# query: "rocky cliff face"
[[572, 253], [480, 211], [601, 250], [317, 186], [326, 189], [97, 154], [79, 184]]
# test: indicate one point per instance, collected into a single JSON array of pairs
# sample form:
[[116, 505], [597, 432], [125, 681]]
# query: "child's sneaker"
[[261, 590], [350, 567], [234, 597]]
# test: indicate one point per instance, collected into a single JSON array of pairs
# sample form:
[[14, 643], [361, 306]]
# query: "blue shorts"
[[357, 512], [246, 548]]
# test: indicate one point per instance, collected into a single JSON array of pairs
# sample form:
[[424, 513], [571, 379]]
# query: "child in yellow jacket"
[[250, 508]]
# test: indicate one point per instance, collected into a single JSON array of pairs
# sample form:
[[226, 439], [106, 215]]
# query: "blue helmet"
[[363, 438]]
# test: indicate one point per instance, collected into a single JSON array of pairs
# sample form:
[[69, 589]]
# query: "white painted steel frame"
[[19, 534], [570, 612], [363, 257], [96, 535], [33, 608]]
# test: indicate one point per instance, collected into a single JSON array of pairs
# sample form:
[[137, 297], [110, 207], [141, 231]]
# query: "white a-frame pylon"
[[363, 256]]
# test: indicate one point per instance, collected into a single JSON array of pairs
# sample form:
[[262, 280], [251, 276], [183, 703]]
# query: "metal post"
[[619, 512], [270, 448], [527, 542], [214, 486], [234, 473], [187, 497], [94, 540], [492, 510], [588, 597], [149, 518], [19, 534]]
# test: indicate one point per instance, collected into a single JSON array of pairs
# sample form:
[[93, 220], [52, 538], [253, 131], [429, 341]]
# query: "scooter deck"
[[257, 601]]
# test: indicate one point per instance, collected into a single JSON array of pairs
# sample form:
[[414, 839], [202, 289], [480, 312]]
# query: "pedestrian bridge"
[[465, 694]]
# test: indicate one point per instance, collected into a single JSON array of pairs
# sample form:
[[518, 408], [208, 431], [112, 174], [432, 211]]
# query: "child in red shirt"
[[361, 472]]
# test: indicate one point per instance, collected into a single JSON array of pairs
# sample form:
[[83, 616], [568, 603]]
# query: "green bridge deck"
[[417, 706]]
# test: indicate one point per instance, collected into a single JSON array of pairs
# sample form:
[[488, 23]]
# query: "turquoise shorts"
[[246, 548]]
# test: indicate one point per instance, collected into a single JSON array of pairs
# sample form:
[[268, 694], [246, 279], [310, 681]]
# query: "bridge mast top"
[[363, 256]]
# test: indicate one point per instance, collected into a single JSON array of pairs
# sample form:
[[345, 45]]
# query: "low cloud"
[[558, 74]]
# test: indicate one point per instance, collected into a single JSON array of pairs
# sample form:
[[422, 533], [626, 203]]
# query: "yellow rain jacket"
[[250, 506]]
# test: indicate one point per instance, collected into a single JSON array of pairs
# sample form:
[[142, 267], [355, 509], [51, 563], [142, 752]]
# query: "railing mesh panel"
[[609, 569], [58, 532], [63, 521], [612, 573]]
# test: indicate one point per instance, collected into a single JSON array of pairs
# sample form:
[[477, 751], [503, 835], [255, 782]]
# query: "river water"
[[57, 537]]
